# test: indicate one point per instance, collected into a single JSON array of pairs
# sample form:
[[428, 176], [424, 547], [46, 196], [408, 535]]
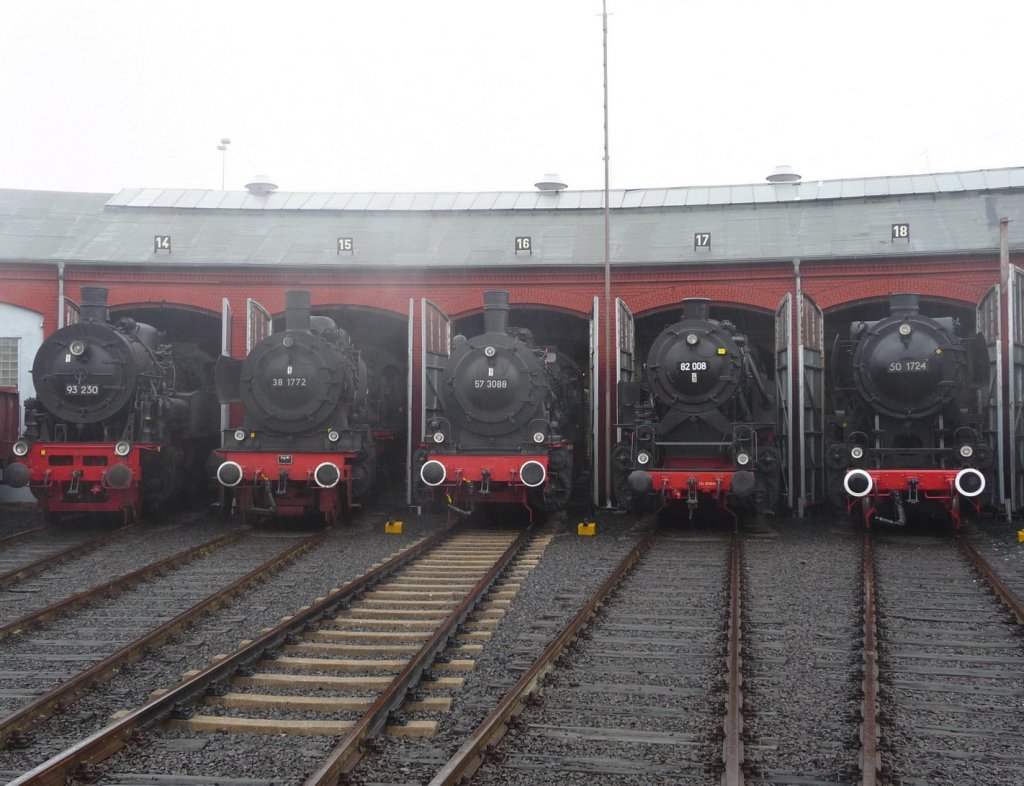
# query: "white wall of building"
[[28, 326]]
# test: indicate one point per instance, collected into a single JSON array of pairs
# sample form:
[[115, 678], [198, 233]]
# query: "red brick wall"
[[758, 286], [833, 284], [33, 287]]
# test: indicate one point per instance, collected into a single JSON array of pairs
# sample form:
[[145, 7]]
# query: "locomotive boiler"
[[699, 426], [510, 414], [120, 418], [906, 433], [314, 422]]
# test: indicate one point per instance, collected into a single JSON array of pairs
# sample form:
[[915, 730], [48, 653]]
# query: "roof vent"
[[550, 182], [783, 173], [261, 185]]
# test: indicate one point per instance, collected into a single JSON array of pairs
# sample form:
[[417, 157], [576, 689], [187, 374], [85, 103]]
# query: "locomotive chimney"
[[495, 312], [904, 305], [93, 307], [696, 308], [296, 314]]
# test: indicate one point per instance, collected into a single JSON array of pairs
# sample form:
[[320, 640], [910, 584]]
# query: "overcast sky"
[[479, 95]]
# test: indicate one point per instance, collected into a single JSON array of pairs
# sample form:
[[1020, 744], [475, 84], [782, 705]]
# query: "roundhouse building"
[[789, 263]]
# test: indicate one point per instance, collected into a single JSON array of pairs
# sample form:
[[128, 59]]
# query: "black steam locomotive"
[[311, 433], [510, 414], [701, 427], [120, 419], [905, 426]]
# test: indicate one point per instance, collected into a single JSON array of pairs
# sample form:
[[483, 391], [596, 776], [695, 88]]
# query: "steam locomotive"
[[700, 429], [120, 419], [312, 430], [903, 429], [510, 414]]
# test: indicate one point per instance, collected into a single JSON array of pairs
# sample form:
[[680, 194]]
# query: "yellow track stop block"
[[1020, 536], [392, 527], [589, 528]]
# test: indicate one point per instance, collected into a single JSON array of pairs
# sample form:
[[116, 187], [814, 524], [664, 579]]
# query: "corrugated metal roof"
[[750, 193], [953, 213]]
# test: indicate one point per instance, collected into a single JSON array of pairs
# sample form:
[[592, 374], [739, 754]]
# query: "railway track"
[[51, 658], [47, 566], [803, 695], [950, 684], [706, 628], [707, 659], [638, 698], [27, 554], [362, 628]]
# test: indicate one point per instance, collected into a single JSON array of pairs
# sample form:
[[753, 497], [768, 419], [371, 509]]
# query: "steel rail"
[[870, 763], [732, 744], [39, 616], [489, 733], [1005, 594], [17, 537], [107, 741], [346, 755], [41, 564]]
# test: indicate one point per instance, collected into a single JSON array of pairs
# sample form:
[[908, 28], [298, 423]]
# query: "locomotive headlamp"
[[969, 482], [438, 437], [489, 351], [966, 451], [532, 473], [692, 339], [77, 348], [229, 474], [118, 476], [240, 435], [288, 341], [433, 473], [333, 435], [858, 483], [538, 437], [905, 329], [857, 452], [327, 475], [122, 448], [643, 458], [21, 448], [743, 458]]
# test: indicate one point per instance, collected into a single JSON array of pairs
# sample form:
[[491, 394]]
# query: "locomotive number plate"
[[903, 366], [696, 365], [284, 459], [490, 384], [81, 390]]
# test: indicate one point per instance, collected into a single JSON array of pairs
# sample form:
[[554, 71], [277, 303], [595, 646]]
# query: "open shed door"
[[436, 346], [258, 324], [72, 314], [436, 340], [812, 404], [411, 439], [225, 349], [595, 404], [784, 386], [989, 324], [625, 340], [1016, 403]]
